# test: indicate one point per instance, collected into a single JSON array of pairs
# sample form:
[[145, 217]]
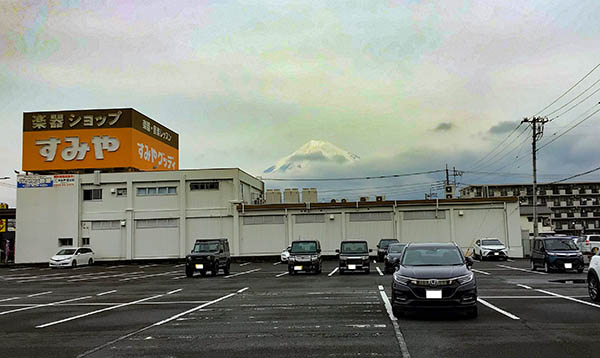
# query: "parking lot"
[[152, 309]]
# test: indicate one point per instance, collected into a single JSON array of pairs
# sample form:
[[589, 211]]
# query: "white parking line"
[[507, 314], [526, 297], [175, 291], [481, 272], [241, 273], [281, 274], [90, 278], [524, 286], [178, 277], [390, 311], [97, 311], [151, 275], [277, 263], [180, 265], [21, 269], [245, 263], [39, 294], [114, 267], [44, 305], [569, 298], [378, 270], [521, 269], [509, 260], [160, 323], [106, 293], [146, 266], [9, 299], [333, 272]]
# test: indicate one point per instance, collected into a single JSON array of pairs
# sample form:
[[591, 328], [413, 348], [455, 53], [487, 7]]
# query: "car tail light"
[[587, 241]]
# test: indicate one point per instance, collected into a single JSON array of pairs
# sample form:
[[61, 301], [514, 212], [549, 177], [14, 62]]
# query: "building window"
[[162, 190], [263, 219], [207, 185], [156, 223], [92, 194], [106, 225], [85, 241], [310, 218], [121, 191], [381, 216], [65, 242], [424, 215]]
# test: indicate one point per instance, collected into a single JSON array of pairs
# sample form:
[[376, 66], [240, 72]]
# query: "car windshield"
[[431, 256], [354, 248], [206, 247], [560, 244], [385, 243], [66, 252], [395, 248], [307, 247], [491, 242]]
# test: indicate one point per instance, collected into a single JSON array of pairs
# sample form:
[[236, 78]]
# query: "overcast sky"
[[407, 85]]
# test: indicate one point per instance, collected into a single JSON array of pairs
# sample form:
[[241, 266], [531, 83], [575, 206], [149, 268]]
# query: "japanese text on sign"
[[61, 120], [154, 129], [77, 150], [151, 155]]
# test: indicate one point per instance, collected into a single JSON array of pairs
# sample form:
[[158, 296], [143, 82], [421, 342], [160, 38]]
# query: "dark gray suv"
[[434, 276], [208, 255], [354, 256], [305, 256]]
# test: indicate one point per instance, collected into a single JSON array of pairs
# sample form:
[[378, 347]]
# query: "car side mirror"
[[337, 251], [318, 251], [221, 251], [469, 261], [378, 246], [191, 251], [370, 250]]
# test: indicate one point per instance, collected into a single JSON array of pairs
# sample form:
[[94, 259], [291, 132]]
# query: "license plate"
[[433, 294], [351, 267], [495, 253], [568, 265], [297, 268], [199, 266]]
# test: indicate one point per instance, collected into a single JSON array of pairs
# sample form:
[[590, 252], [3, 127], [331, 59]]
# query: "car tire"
[[90, 262], [203, 273], [226, 269], [74, 263], [290, 271], [188, 272], [473, 312], [580, 270], [533, 266], [368, 271], [342, 271], [594, 287], [215, 269], [398, 312]]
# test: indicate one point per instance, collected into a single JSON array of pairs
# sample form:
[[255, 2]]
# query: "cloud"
[[444, 127], [503, 127]]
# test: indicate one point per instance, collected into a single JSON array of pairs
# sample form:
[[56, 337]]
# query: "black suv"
[[208, 255], [556, 253], [392, 259], [382, 247], [305, 255], [354, 256], [432, 276]]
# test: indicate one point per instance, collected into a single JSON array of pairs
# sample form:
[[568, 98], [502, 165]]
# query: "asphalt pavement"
[[153, 310]]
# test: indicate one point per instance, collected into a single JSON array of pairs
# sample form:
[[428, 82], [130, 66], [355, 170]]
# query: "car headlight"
[[485, 252], [365, 258], [314, 258], [551, 254], [189, 258], [465, 279], [403, 280]]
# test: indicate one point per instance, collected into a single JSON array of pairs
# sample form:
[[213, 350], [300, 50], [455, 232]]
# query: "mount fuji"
[[315, 152]]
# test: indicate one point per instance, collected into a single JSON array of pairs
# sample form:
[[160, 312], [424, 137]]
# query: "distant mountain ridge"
[[315, 151]]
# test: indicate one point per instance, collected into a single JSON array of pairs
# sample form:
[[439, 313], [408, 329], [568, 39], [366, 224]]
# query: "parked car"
[[305, 255], [285, 254], [589, 244], [556, 253], [354, 256], [593, 278], [434, 276], [487, 248], [382, 247], [72, 257], [392, 259], [208, 255]]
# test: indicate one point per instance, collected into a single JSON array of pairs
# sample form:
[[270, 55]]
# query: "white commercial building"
[[151, 215]]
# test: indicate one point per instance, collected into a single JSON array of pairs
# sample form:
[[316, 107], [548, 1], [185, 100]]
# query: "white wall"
[[156, 243]]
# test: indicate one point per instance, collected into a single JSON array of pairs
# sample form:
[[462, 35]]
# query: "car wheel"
[[90, 262], [533, 267], [215, 269], [203, 273], [580, 270], [290, 271], [473, 312], [546, 267], [74, 263], [189, 272], [368, 271], [593, 288], [227, 268], [398, 312]]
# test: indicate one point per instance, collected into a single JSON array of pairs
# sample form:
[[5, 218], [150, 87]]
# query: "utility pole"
[[537, 126], [447, 175]]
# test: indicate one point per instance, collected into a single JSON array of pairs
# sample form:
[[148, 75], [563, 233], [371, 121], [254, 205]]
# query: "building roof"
[[530, 184]]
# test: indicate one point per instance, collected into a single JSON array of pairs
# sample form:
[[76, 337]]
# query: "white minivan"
[[72, 257]]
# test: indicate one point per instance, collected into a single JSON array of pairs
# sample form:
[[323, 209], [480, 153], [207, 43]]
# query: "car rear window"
[[354, 247], [385, 243], [304, 247], [396, 248]]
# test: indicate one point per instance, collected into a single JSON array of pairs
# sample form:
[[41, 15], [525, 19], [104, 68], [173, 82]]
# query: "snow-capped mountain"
[[311, 153]]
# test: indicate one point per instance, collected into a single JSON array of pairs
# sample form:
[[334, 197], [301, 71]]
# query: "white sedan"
[[72, 257], [285, 254]]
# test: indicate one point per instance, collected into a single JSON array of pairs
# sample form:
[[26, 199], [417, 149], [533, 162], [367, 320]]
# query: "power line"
[[376, 187], [576, 175], [496, 147], [571, 101], [491, 163], [569, 90], [358, 178], [567, 131]]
